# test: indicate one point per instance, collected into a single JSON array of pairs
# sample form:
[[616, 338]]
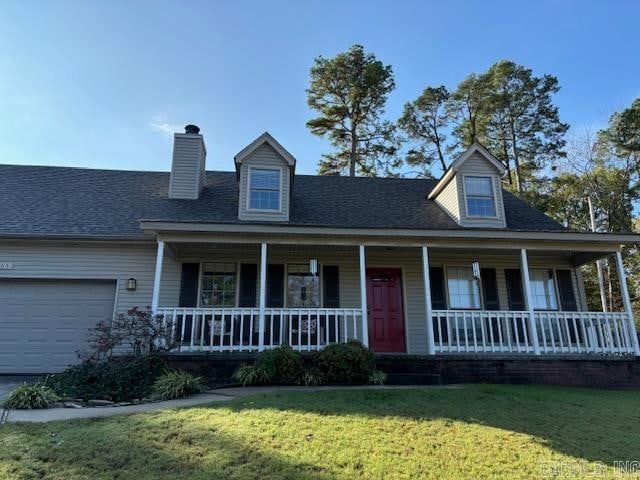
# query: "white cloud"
[[159, 123]]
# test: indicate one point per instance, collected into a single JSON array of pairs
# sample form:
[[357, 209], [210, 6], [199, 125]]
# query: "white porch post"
[[526, 285], [363, 297], [155, 296], [431, 346], [627, 302], [263, 294]]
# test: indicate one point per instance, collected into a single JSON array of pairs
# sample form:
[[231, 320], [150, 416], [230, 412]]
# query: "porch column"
[[526, 285], [627, 302], [363, 297], [155, 296], [431, 346], [263, 294]]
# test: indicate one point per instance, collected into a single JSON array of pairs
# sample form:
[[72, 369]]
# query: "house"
[[245, 260]]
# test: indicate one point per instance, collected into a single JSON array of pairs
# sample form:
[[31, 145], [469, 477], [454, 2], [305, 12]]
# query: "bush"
[[278, 365], [176, 384], [377, 377], [37, 395], [310, 377], [117, 379], [349, 362]]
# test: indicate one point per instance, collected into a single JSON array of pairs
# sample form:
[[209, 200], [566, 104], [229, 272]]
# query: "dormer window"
[[480, 196], [264, 189]]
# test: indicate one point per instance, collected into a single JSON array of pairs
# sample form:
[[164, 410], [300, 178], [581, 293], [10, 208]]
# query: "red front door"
[[385, 312]]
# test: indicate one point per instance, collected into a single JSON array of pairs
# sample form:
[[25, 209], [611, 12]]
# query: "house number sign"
[[6, 266]]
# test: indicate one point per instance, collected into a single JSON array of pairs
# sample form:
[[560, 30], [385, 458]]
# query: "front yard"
[[467, 432]]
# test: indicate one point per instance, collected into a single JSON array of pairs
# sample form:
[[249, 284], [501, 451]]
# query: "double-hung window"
[[481, 200], [463, 288], [543, 291], [218, 285], [264, 189]]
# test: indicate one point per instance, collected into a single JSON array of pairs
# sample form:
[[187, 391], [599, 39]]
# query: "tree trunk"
[[516, 160], [354, 153]]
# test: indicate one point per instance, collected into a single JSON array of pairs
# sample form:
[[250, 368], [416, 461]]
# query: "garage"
[[44, 323]]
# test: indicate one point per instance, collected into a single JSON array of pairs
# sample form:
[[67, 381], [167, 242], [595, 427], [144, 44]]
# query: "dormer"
[[265, 177], [470, 191]]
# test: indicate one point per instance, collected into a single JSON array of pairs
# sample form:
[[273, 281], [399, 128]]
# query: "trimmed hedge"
[[117, 379], [348, 363]]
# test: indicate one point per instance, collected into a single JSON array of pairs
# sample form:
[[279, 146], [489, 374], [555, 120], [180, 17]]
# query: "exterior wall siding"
[[448, 200], [120, 262], [264, 156]]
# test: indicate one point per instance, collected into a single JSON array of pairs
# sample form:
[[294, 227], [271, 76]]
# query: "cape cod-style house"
[[245, 260]]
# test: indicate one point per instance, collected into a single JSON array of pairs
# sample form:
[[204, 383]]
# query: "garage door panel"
[[44, 323]]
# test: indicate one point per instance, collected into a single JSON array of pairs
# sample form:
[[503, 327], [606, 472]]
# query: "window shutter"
[[438, 300], [514, 289], [248, 285], [189, 285], [567, 294], [275, 286], [330, 286], [490, 288]]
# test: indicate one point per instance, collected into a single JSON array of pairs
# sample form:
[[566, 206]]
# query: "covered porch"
[[447, 297]]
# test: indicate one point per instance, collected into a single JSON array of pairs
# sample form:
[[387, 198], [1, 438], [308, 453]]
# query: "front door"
[[385, 311]]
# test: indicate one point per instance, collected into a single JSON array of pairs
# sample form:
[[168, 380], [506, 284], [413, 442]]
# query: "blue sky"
[[103, 84]]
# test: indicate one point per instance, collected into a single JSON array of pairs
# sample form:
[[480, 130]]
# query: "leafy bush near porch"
[[117, 379], [347, 363], [279, 365], [176, 384], [28, 397]]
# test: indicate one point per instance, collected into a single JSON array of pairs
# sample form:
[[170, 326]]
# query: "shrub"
[[176, 384], [253, 374], [349, 362], [117, 379], [137, 331], [377, 377], [37, 395], [278, 365], [310, 377]]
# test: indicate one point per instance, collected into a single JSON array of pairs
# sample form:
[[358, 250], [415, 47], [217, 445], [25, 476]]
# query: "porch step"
[[414, 379]]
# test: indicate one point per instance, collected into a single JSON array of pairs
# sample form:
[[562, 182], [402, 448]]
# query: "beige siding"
[[264, 156], [120, 262], [188, 167], [114, 262], [448, 199]]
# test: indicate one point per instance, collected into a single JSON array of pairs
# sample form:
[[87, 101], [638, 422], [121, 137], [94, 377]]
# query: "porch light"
[[475, 265], [313, 266], [131, 284]]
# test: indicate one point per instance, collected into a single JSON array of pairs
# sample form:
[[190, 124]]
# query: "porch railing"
[[478, 331], [238, 329]]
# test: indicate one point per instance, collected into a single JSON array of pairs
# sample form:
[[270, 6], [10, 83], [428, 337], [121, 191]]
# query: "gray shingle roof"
[[86, 202]]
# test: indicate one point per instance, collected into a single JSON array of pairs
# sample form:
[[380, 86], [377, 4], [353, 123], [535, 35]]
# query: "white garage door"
[[43, 323]]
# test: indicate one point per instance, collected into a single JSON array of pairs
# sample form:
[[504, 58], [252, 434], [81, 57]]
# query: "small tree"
[[137, 332]]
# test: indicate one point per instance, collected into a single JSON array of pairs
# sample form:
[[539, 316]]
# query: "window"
[[543, 290], [303, 289], [479, 194], [264, 191], [463, 288], [218, 285]]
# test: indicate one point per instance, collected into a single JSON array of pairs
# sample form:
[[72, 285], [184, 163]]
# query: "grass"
[[480, 431]]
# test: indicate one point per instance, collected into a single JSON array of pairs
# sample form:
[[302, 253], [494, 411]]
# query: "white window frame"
[[201, 276], [556, 291], [446, 288], [494, 193], [280, 171]]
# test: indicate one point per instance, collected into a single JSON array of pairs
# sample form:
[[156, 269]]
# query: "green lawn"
[[469, 432]]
